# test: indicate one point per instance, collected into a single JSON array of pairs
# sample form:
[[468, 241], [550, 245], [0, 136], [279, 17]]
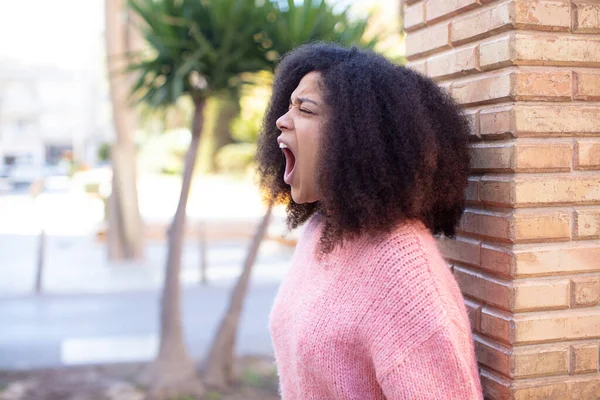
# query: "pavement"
[[94, 311], [59, 330]]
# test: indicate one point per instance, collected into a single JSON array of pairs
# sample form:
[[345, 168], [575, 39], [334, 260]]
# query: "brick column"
[[528, 253]]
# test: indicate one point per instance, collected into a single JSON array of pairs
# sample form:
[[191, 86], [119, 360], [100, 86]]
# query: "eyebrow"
[[304, 100]]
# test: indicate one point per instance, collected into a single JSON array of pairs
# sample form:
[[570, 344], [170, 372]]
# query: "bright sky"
[[67, 33], [64, 33]]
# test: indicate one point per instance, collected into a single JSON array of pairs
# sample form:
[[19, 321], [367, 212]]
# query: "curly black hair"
[[395, 147]]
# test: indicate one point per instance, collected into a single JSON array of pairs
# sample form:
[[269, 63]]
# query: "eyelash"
[[304, 110]]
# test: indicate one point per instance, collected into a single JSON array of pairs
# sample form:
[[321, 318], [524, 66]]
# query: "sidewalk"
[[93, 311], [75, 259], [78, 265]]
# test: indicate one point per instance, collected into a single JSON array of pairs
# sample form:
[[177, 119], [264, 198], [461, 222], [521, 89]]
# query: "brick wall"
[[528, 253]]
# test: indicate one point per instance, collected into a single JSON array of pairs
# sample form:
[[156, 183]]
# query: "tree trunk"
[[219, 367], [220, 112], [125, 236], [173, 373]]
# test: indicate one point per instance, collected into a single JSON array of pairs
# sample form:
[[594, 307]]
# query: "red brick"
[[484, 288], [539, 226], [461, 61], [516, 84], [543, 157], [517, 48], [558, 49], [586, 86], [542, 85], [486, 224], [474, 313], [586, 388], [419, 66], [562, 259], [497, 324], [587, 154], [523, 190], [585, 292], [586, 16], [547, 360], [560, 120], [557, 325], [460, 250], [414, 17], [541, 390], [569, 189], [497, 53], [438, 9], [541, 295], [548, 15], [488, 21], [494, 386], [521, 157], [473, 117], [497, 260], [493, 355], [490, 157], [497, 191], [472, 191], [483, 89], [427, 41], [584, 358], [497, 122], [587, 224]]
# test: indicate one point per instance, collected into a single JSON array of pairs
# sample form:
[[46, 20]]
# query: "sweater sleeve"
[[436, 369]]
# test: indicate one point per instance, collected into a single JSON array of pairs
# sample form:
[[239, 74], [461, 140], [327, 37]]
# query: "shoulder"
[[416, 292], [408, 259]]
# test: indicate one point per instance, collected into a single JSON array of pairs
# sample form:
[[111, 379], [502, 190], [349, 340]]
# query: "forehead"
[[309, 85]]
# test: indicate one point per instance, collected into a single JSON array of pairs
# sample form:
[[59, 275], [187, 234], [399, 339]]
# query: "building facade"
[[528, 254], [49, 117]]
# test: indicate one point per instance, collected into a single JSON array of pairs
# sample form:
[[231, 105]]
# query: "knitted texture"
[[379, 318]]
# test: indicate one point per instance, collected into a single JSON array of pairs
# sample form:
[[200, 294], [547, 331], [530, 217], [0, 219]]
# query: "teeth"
[[282, 146]]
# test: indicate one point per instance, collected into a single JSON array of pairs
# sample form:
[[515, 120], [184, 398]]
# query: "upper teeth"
[[282, 146]]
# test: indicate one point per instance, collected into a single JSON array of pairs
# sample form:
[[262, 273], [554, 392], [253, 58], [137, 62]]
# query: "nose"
[[285, 123]]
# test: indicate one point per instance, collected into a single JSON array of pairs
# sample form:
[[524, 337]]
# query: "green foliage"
[[291, 24], [219, 112], [253, 103], [104, 152], [164, 153], [236, 157], [197, 47], [213, 395], [252, 377]]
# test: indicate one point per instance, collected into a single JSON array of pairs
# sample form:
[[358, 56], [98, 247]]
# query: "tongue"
[[290, 163]]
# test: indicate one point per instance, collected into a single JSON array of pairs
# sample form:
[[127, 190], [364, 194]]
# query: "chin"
[[301, 198]]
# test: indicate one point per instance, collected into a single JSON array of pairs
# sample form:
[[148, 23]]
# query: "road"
[[54, 330], [94, 311]]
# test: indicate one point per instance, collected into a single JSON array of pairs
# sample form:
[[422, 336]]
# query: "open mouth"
[[290, 163]]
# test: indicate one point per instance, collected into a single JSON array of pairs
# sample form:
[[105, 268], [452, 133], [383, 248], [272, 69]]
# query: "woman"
[[375, 157]]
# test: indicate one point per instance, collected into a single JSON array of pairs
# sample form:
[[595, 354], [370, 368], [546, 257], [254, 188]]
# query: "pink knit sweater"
[[379, 318]]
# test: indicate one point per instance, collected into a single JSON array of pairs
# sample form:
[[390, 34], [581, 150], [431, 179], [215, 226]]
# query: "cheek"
[[310, 142]]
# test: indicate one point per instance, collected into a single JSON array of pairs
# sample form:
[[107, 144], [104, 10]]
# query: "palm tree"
[[217, 133], [313, 20], [289, 28], [196, 49], [124, 236]]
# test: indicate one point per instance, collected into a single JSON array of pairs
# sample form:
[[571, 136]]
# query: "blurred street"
[[55, 330], [93, 311]]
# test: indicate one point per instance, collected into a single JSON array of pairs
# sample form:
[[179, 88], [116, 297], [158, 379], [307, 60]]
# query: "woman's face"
[[301, 128]]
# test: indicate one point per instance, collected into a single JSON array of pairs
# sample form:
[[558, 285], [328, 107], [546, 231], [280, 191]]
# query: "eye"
[[306, 111]]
